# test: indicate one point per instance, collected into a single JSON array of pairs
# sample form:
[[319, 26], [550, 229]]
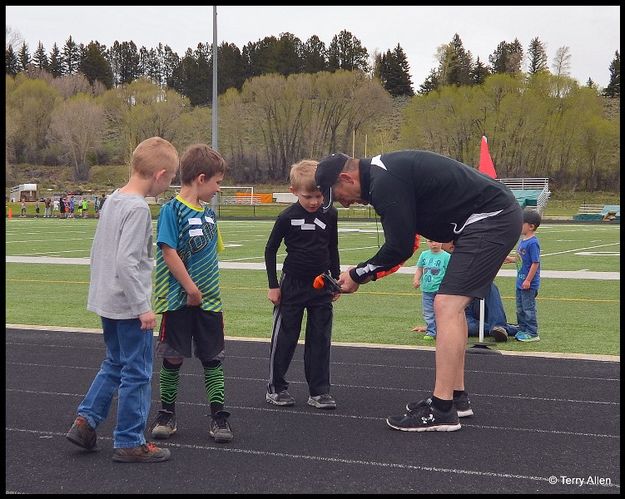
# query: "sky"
[[592, 33]]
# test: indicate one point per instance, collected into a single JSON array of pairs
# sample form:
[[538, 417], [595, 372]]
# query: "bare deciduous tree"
[[77, 127]]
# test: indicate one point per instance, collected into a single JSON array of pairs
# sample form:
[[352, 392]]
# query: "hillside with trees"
[[281, 99]]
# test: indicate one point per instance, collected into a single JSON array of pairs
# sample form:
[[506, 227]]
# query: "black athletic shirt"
[[421, 192], [311, 241]]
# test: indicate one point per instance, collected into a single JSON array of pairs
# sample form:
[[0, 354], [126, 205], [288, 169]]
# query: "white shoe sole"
[[455, 427], [269, 400], [314, 403]]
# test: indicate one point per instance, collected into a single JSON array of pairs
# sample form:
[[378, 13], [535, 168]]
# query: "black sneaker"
[[164, 425], [499, 333], [425, 418], [461, 403], [82, 434], [219, 427], [146, 453]]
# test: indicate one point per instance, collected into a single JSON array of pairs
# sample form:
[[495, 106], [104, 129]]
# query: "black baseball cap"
[[327, 174]]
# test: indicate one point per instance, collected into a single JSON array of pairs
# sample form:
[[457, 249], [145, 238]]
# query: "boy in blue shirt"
[[186, 290], [528, 277]]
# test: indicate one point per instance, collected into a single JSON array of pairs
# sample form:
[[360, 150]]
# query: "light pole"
[[214, 201]]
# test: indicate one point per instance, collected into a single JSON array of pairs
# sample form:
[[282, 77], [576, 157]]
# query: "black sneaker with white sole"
[[461, 403], [425, 417]]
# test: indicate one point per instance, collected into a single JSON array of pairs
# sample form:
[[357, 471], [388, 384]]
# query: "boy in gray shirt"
[[120, 291]]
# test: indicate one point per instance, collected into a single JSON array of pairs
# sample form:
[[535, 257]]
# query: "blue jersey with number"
[[192, 232]]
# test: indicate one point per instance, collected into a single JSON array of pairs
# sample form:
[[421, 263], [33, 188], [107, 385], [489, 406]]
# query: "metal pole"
[[214, 131], [482, 317]]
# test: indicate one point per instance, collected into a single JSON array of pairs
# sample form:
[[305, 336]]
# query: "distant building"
[[23, 192]]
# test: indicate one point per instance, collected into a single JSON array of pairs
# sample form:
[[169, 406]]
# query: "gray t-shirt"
[[122, 259]]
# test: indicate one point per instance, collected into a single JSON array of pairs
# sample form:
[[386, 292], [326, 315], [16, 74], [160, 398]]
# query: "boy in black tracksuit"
[[311, 240]]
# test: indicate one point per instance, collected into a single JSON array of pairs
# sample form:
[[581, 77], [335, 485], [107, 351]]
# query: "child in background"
[[431, 268], [311, 240], [187, 290], [120, 292], [528, 277]]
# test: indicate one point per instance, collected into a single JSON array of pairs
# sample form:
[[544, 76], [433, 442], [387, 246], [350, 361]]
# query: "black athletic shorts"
[[479, 251], [192, 326]]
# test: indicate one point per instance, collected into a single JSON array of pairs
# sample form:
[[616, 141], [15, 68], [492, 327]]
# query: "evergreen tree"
[[431, 83], [515, 57], [71, 57], [261, 57], [95, 66], [188, 80], [144, 57], [394, 72], [479, 72], [507, 58], [11, 62], [537, 57], [231, 71], [499, 58], [614, 86], [346, 52], [151, 64], [314, 55], [124, 60], [171, 60], [289, 54], [56, 64], [23, 56], [458, 63], [40, 58]]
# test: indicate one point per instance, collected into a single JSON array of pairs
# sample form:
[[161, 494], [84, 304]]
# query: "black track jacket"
[[311, 241], [421, 192]]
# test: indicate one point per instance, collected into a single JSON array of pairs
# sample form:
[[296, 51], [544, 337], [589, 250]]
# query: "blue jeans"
[[526, 310], [494, 314], [428, 312], [127, 369]]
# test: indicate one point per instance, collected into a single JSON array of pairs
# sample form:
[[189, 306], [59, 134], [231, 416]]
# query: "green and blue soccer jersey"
[[192, 231]]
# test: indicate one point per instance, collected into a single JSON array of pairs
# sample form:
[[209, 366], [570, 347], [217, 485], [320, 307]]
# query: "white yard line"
[[557, 274]]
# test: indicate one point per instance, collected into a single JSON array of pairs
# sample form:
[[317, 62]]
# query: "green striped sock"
[[169, 379], [214, 385]]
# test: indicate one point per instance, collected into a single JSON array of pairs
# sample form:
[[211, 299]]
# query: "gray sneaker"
[[164, 425], [325, 401], [219, 427], [282, 398], [499, 333]]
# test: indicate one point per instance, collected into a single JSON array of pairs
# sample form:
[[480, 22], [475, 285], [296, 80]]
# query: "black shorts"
[[180, 329], [479, 251]]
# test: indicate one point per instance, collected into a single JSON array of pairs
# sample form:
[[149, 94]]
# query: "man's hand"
[[348, 285]]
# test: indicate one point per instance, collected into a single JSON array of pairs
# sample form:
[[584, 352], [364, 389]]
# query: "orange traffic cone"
[[10, 213]]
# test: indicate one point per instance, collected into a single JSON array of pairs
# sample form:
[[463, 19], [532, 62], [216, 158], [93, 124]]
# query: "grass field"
[[575, 315]]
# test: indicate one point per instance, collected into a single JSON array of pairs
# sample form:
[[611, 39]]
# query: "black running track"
[[537, 420]]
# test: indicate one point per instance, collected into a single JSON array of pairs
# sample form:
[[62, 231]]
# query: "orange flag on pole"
[[486, 163]]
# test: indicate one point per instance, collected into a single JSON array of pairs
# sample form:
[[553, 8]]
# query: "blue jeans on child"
[[428, 312], [526, 310], [127, 368]]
